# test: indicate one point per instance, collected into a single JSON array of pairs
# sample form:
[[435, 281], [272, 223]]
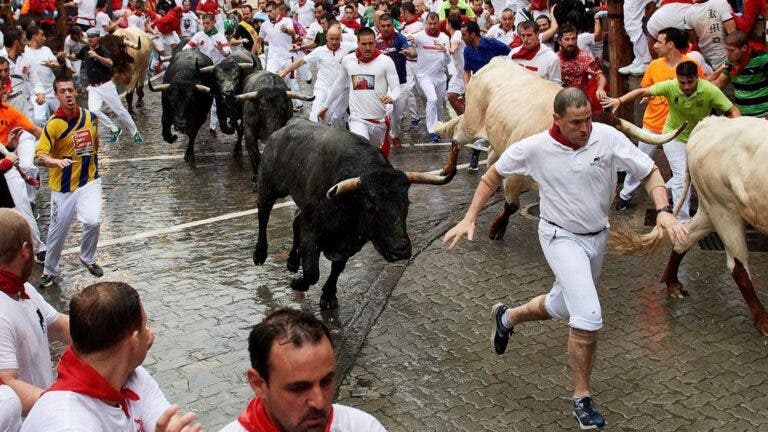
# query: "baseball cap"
[[92, 32]]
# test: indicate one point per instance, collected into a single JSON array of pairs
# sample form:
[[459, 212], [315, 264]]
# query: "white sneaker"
[[482, 145], [634, 69]]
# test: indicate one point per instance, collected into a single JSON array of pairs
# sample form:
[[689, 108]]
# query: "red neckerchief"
[[538, 5], [77, 376], [353, 24], [739, 66], [416, 18], [526, 54], [369, 59], [62, 114], [255, 418], [430, 34], [555, 133], [516, 42], [13, 285]]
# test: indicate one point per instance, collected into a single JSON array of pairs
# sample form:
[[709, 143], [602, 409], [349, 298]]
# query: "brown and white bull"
[[726, 164], [131, 77], [506, 103]]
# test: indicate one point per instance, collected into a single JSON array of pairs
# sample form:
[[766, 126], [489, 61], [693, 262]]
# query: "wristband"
[[667, 209]]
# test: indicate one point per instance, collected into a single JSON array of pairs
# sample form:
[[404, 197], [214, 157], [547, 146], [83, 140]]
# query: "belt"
[[584, 234]]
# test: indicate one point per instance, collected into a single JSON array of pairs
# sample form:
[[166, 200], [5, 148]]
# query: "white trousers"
[[44, 111], [275, 66], [396, 117], [86, 203], [434, 90], [213, 117], [22, 193], [634, 10], [409, 90], [335, 115], [675, 152], [373, 132], [576, 260], [107, 94]]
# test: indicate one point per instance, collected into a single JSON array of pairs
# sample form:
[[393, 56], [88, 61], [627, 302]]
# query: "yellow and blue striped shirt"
[[73, 138]]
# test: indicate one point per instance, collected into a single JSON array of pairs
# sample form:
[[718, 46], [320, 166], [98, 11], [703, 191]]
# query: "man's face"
[[319, 13], [366, 44], [465, 36], [568, 44], [661, 46], [5, 74], [39, 38], [93, 41], [453, 2], [576, 124], [386, 28], [507, 20], [333, 38], [420, 8], [146, 337], [302, 381], [208, 24], [433, 25], [263, 5], [687, 84], [529, 37], [273, 13], [477, 7], [543, 24], [66, 94], [185, 6], [247, 14], [734, 53], [349, 14]]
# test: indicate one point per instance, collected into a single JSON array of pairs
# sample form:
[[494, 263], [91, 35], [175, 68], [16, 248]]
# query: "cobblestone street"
[[412, 338]]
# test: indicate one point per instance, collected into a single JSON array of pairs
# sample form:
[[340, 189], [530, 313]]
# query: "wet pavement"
[[412, 337]]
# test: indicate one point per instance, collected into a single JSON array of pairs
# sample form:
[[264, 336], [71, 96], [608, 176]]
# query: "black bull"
[[347, 194]]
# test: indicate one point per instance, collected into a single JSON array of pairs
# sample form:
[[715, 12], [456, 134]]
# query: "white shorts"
[[456, 84], [373, 132]]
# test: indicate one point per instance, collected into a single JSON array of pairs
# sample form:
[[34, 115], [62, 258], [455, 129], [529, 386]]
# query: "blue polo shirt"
[[393, 48], [475, 58]]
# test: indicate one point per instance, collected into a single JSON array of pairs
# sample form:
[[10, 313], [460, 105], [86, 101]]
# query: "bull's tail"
[[448, 128], [625, 241]]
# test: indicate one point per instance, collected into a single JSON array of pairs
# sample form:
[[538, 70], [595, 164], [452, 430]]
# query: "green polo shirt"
[[691, 108]]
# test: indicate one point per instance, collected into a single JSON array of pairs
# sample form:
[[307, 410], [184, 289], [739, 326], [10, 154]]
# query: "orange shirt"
[[657, 109], [10, 119]]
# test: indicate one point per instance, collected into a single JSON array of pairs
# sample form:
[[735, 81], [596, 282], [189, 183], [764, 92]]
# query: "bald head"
[[333, 37], [14, 232]]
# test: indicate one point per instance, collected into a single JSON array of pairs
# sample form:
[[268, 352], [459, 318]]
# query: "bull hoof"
[[170, 138], [761, 323], [676, 290], [328, 303], [260, 254], [298, 284], [293, 264], [140, 103], [189, 157], [497, 232]]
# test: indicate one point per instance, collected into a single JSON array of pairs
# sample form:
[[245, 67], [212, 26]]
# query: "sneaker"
[[137, 139], [587, 417], [40, 257], [633, 69], [396, 143], [474, 161], [93, 269], [114, 136], [433, 137], [415, 123], [500, 334], [482, 144], [621, 204], [46, 281]]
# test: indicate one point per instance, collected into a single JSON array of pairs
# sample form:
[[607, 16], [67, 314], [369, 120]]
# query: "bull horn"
[[247, 96], [342, 187], [245, 66], [202, 88], [649, 137], [160, 88], [165, 58], [206, 69], [297, 95]]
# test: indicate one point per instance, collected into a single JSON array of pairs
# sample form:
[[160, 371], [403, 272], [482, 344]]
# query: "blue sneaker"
[[433, 137], [114, 136], [137, 139], [587, 417]]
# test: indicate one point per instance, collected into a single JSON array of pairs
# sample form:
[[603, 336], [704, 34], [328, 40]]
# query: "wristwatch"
[[667, 209]]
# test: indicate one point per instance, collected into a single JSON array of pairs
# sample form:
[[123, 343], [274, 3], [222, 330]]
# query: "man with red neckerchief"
[[575, 164], [293, 374], [101, 385], [27, 321], [535, 56]]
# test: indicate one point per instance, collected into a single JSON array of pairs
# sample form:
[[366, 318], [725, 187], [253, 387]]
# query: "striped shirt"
[[751, 86], [73, 138]]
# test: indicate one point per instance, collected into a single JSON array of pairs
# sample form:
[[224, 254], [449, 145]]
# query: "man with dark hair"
[[670, 43], [572, 228], [747, 69], [690, 99], [247, 30], [535, 56], [580, 69], [43, 62], [27, 321], [101, 385], [478, 52], [505, 29], [293, 374]]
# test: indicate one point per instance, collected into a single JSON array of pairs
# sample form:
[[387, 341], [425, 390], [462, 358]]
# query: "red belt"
[[384, 148]]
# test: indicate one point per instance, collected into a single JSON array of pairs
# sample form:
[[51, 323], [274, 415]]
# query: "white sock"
[[504, 321]]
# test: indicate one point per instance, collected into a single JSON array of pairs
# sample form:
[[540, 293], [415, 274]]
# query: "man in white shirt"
[[10, 409], [327, 59], [371, 81], [43, 62], [278, 33], [433, 57], [505, 29], [414, 23], [189, 23], [27, 321], [101, 385], [304, 12], [709, 21], [535, 56], [293, 374], [73, 43], [575, 164], [86, 12], [455, 92]]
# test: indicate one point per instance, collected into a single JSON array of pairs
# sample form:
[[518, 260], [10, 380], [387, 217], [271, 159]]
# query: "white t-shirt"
[[208, 45], [412, 28], [328, 63], [707, 19], [365, 83], [69, 411], [669, 15], [138, 21], [313, 30], [545, 64], [71, 47], [576, 186], [496, 32], [102, 19], [587, 43], [10, 410], [345, 419], [280, 43], [431, 62], [24, 337], [188, 23], [458, 55], [36, 57], [24, 82], [304, 14], [86, 12]]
